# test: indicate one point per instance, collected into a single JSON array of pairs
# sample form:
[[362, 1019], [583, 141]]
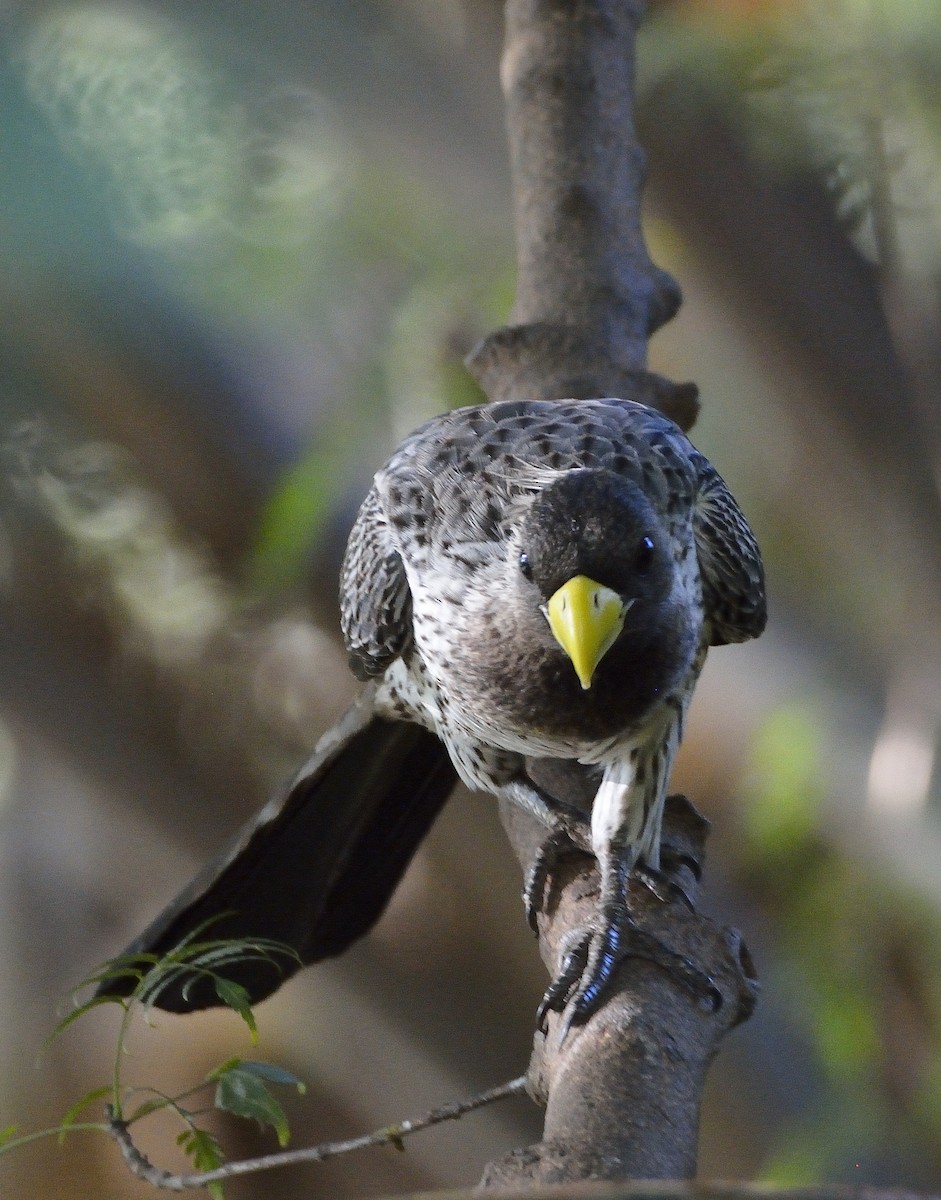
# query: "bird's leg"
[[589, 963], [625, 828], [574, 959], [624, 819], [658, 865], [567, 833], [601, 952]]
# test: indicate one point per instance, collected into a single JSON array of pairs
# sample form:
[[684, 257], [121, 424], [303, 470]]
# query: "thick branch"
[[588, 296], [622, 1093]]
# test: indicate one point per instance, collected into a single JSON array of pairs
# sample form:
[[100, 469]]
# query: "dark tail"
[[317, 866]]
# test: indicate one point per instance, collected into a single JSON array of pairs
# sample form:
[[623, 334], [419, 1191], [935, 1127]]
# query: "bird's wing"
[[729, 561], [375, 601]]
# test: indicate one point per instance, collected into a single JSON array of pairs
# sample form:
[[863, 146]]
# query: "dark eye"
[[644, 556], [525, 566]]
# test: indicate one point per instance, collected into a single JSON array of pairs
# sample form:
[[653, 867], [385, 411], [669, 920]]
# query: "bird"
[[524, 580]]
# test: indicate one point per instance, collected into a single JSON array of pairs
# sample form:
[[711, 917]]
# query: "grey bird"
[[524, 580]]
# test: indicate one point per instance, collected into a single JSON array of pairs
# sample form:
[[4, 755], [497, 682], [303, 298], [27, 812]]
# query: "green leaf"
[[8, 1134], [71, 1115], [192, 960], [273, 1074], [120, 967], [206, 1153], [217, 1072], [296, 511], [80, 1012], [782, 815], [245, 1094], [157, 1104], [238, 999]]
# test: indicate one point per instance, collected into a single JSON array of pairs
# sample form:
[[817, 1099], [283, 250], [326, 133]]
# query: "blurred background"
[[243, 250]]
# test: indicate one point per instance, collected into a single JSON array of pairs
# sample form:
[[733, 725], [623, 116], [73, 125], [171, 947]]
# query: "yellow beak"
[[585, 618]]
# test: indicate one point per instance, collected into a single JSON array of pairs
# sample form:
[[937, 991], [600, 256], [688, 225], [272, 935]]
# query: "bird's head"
[[595, 557]]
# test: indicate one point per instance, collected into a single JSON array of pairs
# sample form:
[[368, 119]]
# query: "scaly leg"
[[567, 833], [626, 825]]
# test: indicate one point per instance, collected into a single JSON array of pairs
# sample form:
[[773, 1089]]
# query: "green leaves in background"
[[243, 1089], [858, 969], [206, 1154], [242, 1086], [416, 373]]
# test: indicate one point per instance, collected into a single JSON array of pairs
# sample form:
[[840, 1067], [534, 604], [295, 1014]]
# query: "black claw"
[[589, 967], [564, 838], [534, 888], [557, 994], [663, 886], [605, 954], [673, 860]]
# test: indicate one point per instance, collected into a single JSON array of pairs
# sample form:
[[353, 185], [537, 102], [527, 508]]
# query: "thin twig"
[[140, 1166]]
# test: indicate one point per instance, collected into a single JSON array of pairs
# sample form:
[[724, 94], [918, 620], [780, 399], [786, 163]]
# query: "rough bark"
[[588, 296], [653, 1190], [622, 1094]]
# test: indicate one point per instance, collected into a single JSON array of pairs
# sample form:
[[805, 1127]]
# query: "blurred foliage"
[[255, 203], [417, 372], [849, 89], [129, 96], [859, 971], [240, 1086], [157, 586]]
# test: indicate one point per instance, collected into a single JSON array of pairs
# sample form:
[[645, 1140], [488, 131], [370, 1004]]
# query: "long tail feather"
[[317, 866]]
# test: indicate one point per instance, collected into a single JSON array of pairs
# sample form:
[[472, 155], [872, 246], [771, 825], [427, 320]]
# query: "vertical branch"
[[588, 296], [622, 1093]]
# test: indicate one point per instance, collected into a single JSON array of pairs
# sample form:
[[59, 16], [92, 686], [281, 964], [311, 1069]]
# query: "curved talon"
[[590, 965], [605, 954], [662, 885], [673, 860], [557, 994]]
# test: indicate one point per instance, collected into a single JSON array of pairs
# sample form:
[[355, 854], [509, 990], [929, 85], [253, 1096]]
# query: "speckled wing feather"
[[446, 472], [729, 562], [375, 601]]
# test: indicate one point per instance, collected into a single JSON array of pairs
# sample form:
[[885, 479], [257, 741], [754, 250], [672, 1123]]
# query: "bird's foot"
[[591, 960], [568, 834], [663, 885], [557, 994]]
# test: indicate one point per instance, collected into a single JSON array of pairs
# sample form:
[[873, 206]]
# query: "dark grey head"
[[599, 563], [596, 523]]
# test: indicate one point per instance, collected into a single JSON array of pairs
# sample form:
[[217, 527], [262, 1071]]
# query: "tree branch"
[[141, 1167], [622, 1093], [588, 295]]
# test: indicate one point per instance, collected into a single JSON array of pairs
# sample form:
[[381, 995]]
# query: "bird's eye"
[[644, 555], [525, 566]]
